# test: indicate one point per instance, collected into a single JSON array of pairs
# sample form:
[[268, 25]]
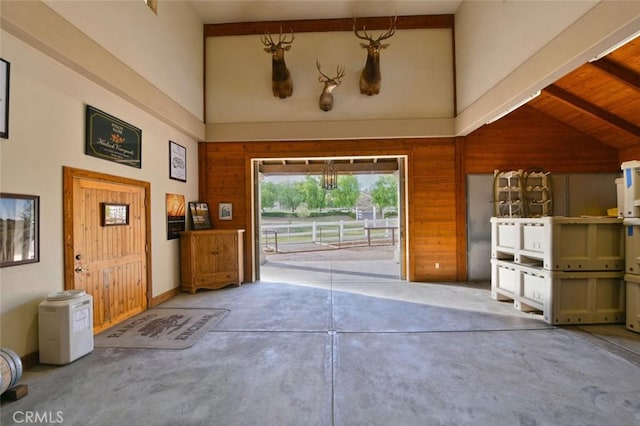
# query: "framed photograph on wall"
[[177, 162], [225, 211], [200, 217], [5, 68], [113, 214], [19, 229]]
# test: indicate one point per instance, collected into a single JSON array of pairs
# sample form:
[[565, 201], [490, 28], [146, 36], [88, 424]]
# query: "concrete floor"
[[326, 341]]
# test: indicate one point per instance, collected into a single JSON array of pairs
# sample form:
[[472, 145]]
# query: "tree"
[[289, 195], [347, 193], [267, 195], [385, 192], [313, 195]]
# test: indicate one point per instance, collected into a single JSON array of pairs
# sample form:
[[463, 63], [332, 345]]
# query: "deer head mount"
[[281, 82], [370, 78], [330, 83]]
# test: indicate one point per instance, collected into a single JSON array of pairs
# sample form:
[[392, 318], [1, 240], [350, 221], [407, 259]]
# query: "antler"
[[390, 32], [364, 30], [340, 72], [267, 40], [326, 78], [281, 41]]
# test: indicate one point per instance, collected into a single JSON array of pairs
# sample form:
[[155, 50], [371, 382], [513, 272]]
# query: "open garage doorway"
[[330, 217]]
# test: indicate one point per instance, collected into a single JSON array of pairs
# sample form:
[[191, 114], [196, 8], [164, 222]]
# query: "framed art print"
[[19, 229], [176, 220], [225, 211], [5, 68], [177, 162]]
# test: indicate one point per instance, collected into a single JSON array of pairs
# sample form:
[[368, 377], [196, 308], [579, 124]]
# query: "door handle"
[[81, 269]]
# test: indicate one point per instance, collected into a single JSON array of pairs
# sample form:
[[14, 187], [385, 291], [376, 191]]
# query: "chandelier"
[[329, 176]]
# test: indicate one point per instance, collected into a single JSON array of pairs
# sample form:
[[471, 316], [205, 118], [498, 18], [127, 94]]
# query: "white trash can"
[[65, 323]]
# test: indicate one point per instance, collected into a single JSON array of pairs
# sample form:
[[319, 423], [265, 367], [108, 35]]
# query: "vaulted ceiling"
[[600, 98]]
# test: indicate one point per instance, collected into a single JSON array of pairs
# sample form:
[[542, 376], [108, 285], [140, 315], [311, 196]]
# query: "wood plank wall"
[[436, 170], [225, 177], [528, 138]]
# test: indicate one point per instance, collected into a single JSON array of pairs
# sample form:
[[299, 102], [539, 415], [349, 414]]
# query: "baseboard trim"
[[30, 360], [165, 296]]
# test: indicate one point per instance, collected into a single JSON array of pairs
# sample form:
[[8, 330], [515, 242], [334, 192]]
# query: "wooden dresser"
[[211, 259]]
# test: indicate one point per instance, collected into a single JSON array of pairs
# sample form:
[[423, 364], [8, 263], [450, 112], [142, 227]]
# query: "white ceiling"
[[227, 11]]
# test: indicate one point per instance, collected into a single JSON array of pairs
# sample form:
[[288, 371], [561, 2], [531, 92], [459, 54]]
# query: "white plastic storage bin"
[[504, 238], [504, 279], [620, 196], [562, 297], [631, 185], [633, 302], [575, 297], [560, 243], [632, 245], [65, 322]]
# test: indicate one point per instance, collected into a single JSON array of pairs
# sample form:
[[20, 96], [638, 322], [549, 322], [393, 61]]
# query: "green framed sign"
[[112, 139]]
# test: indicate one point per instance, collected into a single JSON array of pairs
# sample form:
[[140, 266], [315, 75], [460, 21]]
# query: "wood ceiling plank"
[[619, 72], [583, 122], [591, 109]]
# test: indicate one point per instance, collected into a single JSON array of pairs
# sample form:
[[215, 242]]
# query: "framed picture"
[[176, 219], [200, 217], [114, 214], [112, 139], [177, 162], [19, 229], [225, 211], [5, 68]]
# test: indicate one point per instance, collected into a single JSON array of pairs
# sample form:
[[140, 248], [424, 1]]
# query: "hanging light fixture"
[[329, 176]]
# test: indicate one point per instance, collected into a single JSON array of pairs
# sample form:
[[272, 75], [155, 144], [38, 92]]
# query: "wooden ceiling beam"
[[591, 109], [619, 72], [316, 169], [324, 25]]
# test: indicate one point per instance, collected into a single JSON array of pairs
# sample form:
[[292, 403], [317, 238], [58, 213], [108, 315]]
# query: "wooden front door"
[[107, 258]]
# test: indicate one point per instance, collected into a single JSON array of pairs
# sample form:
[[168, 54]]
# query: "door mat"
[[161, 328]]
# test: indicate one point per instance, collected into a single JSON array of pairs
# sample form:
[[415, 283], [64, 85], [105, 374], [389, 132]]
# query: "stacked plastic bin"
[[629, 207], [569, 268]]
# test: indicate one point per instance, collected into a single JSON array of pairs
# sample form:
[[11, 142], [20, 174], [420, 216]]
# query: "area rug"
[[161, 328]]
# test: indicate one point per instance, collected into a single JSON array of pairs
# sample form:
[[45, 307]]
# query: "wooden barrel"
[[11, 368]]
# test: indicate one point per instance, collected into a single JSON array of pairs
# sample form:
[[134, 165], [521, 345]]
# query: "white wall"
[[417, 87], [493, 38], [41, 27], [416, 74], [507, 50], [47, 132], [165, 49]]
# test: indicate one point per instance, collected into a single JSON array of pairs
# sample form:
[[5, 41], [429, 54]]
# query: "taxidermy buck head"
[[330, 83], [370, 78], [281, 82]]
